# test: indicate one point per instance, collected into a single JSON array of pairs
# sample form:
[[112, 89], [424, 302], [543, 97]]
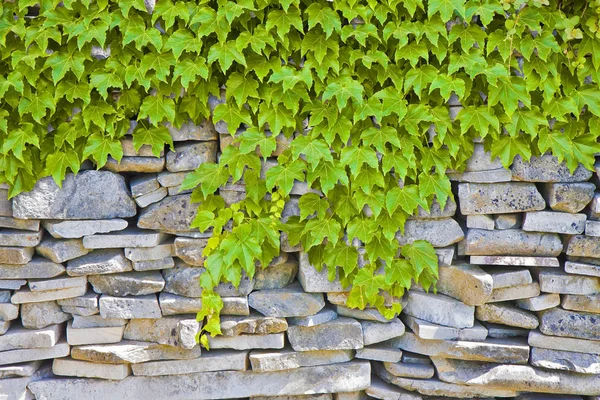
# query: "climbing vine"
[[368, 102]]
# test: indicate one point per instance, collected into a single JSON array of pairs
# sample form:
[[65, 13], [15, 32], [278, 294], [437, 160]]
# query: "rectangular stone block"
[[540, 303], [555, 222], [85, 369], [507, 314], [382, 390], [152, 197], [315, 281], [507, 277], [467, 283], [20, 224], [580, 268], [61, 349], [376, 332], [340, 334], [512, 242], [265, 361], [11, 284], [555, 281], [99, 262], [16, 255], [18, 238], [95, 321], [482, 221], [175, 331], [406, 370], [126, 352], [515, 261], [131, 237], [60, 282], [25, 295], [18, 337], [583, 246], [157, 252], [585, 303], [427, 330], [497, 331], [75, 229], [129, 307], [499, 198], [88, 300], [515, 293], [95, 335], [214, 360], [557, 322], [565, 361], [380, 352], [60, 251], [248, 342], [439, 309]]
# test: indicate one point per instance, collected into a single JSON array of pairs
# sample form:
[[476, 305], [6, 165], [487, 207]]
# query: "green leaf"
[[182, 40], [99, 147], [252, 138], [317, 230], [422, 257], [169, 11], [509, 92], [155, 136], [208, 176], [407, 198], [240, 245], [225, 53], [447, 85], [157, 108], [188, 70], [314, 150], [18, 139], [430, 184], [58, 163], [284, 176], [324, 16], [329, 174], [240, 87], [481, 118], [311, 203], [102, 80], [446, 8], [232, 115], [507, 147], [37, 105], [63, 62]]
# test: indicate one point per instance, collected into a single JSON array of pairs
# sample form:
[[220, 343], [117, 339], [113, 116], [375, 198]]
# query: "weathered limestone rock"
[[513, 351], [41, 315], [592, 228], [172, 305], [253, 324], [88, 300], [143, 184], [99, 262], [96, 321], [17, 238], [439, 232], [276, 276], [491, 176], [129, 307], [76, 230], [188, 157], [173, 214], [5, 203], [325, 315], [190, 250], [569, 197], [248, 342], [368, 314], [556, 281], [60, 251], [580, 268], [515, 261], [214, 360], [516, 377], [290, 301], [539, 303], [173, 331], [37, 268], [339, 334], [8, 311], [436, 211], [158, 252], [130, 237], [87, 195], [21, 224], [95, 335], [11, 284], [264, 360], [60, 282], [376, 332], [61, 349], [190, 131], [504, 277], [16, 255], [25, 369], [83, 311], [380, 352], [514, 242], [84, 369], [445, 255], [153, 265], [170, 179], [346, 377], [499, 198], [546, 168], [589, 303], [126, 352], [135, 164], [406, 370], [557, 322], [515, 292], [467, 283], [381, 390], [183, 280], [20, 338], [537, 339], [506, 314], [583, 246], [439, 309], [24, 295], [128, 283], [427, 330], [554, 222], [4, 326], [507, 221], [480, 221], [315, 281], [481, 160]]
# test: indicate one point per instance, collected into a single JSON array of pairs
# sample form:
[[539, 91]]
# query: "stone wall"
[[98, 291]]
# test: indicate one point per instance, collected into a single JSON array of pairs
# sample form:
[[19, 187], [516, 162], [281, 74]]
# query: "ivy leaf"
[[18, 139], [317, 230], [509, 92], [343, 89], [182, 40], [314, 150], [356, 156], [508, 147], [155, 136], [37, 105], [208, 176], [369, 281], [435, 184], [588, 96], [422, 257], [57, 164], [252, 138], [100, 147], [102, 80], [188, 70], [375, 199], [242, 246], [157, 108], [318, 44], [142, 36], [226, 53], [62, 62], [378, 138], [311, 203], [283, 21], [290, 77], [232, 115], [278, 118], [324, 16], [407, 198], [420, 78], [160, 63], [485, 9], [447, 85], [446, 8], [168, 11], [329, 174], [241, 87], [284, 176], [481, 118], [73, 90]]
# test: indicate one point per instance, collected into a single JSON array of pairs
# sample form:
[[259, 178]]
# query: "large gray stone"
[[189, 250], [547, 168], [248, 342], [131, 237], [376, 332], [506, 314], [39, 267], [76, 230], [346, 377], [16, 255], [18, 337], [537, 339], [17, 238], [11, 284], [479, 242], [436, 211], [128, 284], [317, 281], [554, 222], [556, 281], [565, 361], [481, 160], [173, 214], [126, 352], [183, 280], [557, 322], [41, 315], [60, 251], [99, 262], [214, 360], [290, 301], [499, 198], [24, 295], [61, 349], [439, 232], [340, 334], [174, 331], [276, 275], [268, 360], [189, 156], [88, 300], [467, 283], [569, 197], [439, 309], [129, 307], [60, 282], [87, 195], [514, 351], [143, 184], [589, 303]]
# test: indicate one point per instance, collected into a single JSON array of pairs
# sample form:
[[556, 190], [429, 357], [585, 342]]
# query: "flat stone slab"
[[276, 275], [264, 360], [60, 282], [592, 228], [290, 301], [152, 197], [17, 370], [325, 315], [439, 309], [172, 305], [11, 284], [204, 131], [467, 283], [83, 369], [128, 283], [523, 378], [61, 349], [17, 238], [189, 156], [252, 324], [546, 168], [506, 314], [504, 277], [345, 377], [515, 292], [95, 335], [376, 332], [417, 371], [557, 322], [96, 321], [515, 261], [514, 351], [368, 314], [583, 246], [87, 195], [18, 337], [8, 311], [316, 281], [143, 184], [129, 307], [542, 302], [154, 265], [439, 232], [60, 251], [565, 361], [158, 252], [427, 330], [88, 300], [579, 268], [24, 295], [537, 339], [340, 334], [513, 242], [41, 315], [380, 352], [76, 230], [498, 331], [16, 255], [172, 214], [480, 221], [135, 164], [554, 222], [99, 262], [499, 198], [126, 352], [556, 281], [189, 250], [21, 224], [174, 331], [585, 303], [248, 342], [130, 237], [214, 360], [382, 390], [569, 197]]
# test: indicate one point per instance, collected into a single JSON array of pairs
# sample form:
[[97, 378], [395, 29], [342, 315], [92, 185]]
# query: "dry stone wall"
[[99, 290]]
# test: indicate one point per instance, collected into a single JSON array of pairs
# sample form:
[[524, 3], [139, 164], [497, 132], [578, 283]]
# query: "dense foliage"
[[363, 86]]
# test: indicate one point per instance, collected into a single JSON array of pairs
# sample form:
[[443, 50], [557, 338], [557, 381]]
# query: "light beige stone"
[[131, 237], [480, 221], [406, 370], [75, 229], [136, 283], [21, 224], [16, 255], [24, 295], [108, 261], [585, 303], [290, 301], [376, 332], [439, 232], [523, 261], [569, 197], [157, 252], [84, 369], [380, 352], [189, 156], [539, 303], [17, 238], [248, 342], [174, 331], [427, 330], [515, 292], [467, 283], [382, 390], [579, 268], [556, 222], [340, 334], [317, 281], [60, 282], [498, 198], [126, 352], [547, 168], [252, 324], [60, 251], [129, 307], [190, 250], [506, 314], [537, 339], [583, 246], [41, 315], [268, 360], [556, 281], [18, 337], [507, 221], [439, 309], [511, 242], [61, 349], [95, 335]]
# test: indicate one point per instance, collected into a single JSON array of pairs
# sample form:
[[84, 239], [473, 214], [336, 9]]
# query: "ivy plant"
[[376, 100]]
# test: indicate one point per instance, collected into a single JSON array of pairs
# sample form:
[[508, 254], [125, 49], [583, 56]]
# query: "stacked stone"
[[99, 291]]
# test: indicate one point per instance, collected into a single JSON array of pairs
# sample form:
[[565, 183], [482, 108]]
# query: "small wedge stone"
[[515, 293], [416, 371], [20, 224], [128, 284], [41, 315], [368, 314], [264, 361], [481, 221], [60, 251], [580, 268], [498, 331], [61, 349], [467, 283], [88, 300], [143, 184], [252, 324], [76, 230], [37, 268], [16, 255], [376, 332], [557, 322], [506, 314], [157, 252], [190, 250], [507, 221], [585, 303], [539, 303], [152, 197]]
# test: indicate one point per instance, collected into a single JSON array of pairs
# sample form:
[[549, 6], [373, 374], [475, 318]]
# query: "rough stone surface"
[[546, 168], [16, 255], [439, 232], [247, 342], [189, 250], [130, 237], [439, 309], [21, 338], [276, 276], [537, 339], [173, 214], [48, 201], [512, 242], [479, 198], [515, 261], [506, 314], [315, 281], [339, 334], [515, 292], [129, 307], [84, 369], [128, 283], [507, 221], [99, 262], [60, 282], [153, 265], [21, 224], [76, 230], [24, 295], [157, 252], [467, 283], [410, 370], [565, 361], [135, 164], [376, 332], [589, 303], [60, 251], [480, 221], [325, 315], [41, 315], [555, 281], [504, 277], [540, 303], [557, 322], [205, 130], [252, 324], [427, 330], [126, 352], [96, 321], [569, 197], [95, 335], [290, 301], [17, 238], [380, 352], [580, 268], [554, 222], [173, 331], [264, 360], [188, 157], [215, 360]]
